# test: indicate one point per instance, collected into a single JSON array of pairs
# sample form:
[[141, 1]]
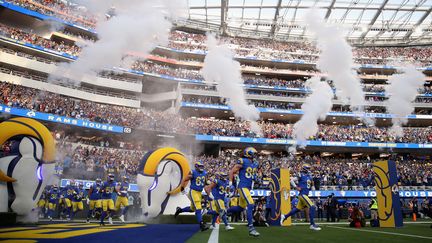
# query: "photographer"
[[357, 218]]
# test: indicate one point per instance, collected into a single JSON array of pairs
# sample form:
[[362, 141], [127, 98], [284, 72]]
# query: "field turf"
[[329, 233], [72, 232]]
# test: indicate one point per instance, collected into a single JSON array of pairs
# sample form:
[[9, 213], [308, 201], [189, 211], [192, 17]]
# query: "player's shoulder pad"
[[240, 161]]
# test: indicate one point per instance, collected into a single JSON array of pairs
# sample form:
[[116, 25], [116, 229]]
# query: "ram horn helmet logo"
[[24, 173], [160, 175]]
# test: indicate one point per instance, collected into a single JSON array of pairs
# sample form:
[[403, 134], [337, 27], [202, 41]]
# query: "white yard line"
[[381, 232], [214, 237], [331, 223]]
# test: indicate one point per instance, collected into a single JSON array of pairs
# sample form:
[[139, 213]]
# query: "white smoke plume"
[[402, 91], [137, 26], [315, 107], [221, 68], [336, 59]]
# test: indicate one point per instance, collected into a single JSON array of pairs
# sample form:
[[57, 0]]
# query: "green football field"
[[330, 233]]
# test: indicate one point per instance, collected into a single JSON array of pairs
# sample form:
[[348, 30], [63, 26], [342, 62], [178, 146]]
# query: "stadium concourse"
[[125, 87]]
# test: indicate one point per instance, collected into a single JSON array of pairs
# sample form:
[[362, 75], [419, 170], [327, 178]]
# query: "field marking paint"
[[382, 232], [331, 223], [214, 236]]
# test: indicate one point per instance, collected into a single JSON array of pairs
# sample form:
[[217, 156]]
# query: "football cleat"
[[203, 226], [282, 219], [177, 212], [122, 218], [212, 227], [110, 220], [254, 233], [229, 227], [315, 227]]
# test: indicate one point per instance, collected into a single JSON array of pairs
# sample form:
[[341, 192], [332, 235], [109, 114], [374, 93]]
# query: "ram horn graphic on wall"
[[24, 172], [160, 174]]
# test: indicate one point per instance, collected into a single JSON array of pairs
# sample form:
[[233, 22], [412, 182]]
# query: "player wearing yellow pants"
[[107, 190], [197, 178], [43, 204], [108, 204], [304, 186], [68, 195], [53, 200], [246, 168], [77, 204], [95, 204], [122, 199], [216, 191]]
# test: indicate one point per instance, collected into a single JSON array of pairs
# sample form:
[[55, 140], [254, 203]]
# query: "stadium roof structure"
[[367, 21]]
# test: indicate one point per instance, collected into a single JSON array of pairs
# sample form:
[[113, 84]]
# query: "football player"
[[216, 191], [53, 200], [43, 203], [197, 178], [68, 194], [107, 190], [77, 204], [246, 168], [304, 186], [95, 202], [122, 198]]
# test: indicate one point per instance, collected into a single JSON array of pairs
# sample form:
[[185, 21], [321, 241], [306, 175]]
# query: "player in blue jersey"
[[53, 200], [107, 191], [122, 198], [68, 194], [197, 178], [246, 168], [216, 191], [77, 204], [95, 202], [304, 186], [43, 203]]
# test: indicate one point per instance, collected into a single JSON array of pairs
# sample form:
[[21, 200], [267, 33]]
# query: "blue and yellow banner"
[[387, 194], [280, 200]]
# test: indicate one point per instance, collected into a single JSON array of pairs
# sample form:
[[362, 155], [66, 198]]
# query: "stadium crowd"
[[68, 11], [156, 68], [37, 100], [89, 162], [33, 99], [327, 171], [359, 133], [34, 39], [244, 47], [268, 49]]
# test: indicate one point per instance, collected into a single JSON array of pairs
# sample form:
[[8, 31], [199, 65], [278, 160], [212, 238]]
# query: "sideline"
[[382, 232]]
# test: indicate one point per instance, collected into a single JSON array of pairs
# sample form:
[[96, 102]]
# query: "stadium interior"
[[105, 118]]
